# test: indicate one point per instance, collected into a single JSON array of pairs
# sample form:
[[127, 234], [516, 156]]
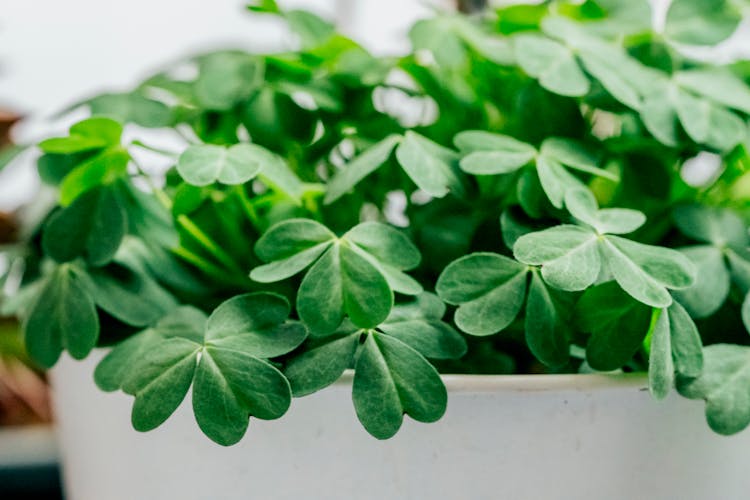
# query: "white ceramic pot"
[[503, 437]]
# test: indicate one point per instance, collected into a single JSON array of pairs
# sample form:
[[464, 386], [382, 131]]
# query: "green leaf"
[[660, 364], [92, 227], [312, 30], [739, 267], [555, 180], [687, 347], [392, 379], [646, 271], [431, 166], [488, 288], [709, 124], [492, 154], [204, 164], [360, 167], [609, 68], [276, 174], [131, 297], [354, 275], [160, 380], [94, 133], [255, 325], [701, 22], [114, 369], [569, 255], [290, 246], [659, 115], [322, 365], [546, 332], [232, 384], [420, 326], [718, 84], [582, 205], [746, 312], [103, 169], [227, 78], [552, 63], [617, 323], [386, 244], [439, 37], [342, 282], [63, 317], [724, 385], [574, 155], [132, 107], [717, 226], [712, 282], [224, 358]]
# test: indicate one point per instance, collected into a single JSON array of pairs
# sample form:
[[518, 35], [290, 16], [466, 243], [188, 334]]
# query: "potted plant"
[[508, 198]]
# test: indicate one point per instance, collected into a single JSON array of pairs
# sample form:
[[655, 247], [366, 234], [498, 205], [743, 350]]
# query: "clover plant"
[[511, 196]]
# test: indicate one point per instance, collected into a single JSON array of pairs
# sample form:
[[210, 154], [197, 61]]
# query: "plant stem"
[[247, 205], [160, 151], [206, 242], [207, 266]]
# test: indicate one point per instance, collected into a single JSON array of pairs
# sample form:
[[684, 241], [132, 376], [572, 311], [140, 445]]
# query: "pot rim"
[[535, 383]]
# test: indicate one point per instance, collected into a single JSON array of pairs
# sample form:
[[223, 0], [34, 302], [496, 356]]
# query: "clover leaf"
[[91, 134], [722, 258], [724, 386], [129, 296], [490, 290], [675, 346], [432, 167], [360, 167], [132, 107], [552, 63], [494, 154], [90, 156], [704, 120], [62, 317], [354, 275], [701, 22], [617, 324], [204, 164], [391, 375], [227, 78], [573, 257], [224, 357], [91, 227]]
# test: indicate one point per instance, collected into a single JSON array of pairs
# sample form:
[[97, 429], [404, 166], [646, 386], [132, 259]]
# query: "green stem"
[[160, 151], [247, 205], [208, 267], [206, 242]]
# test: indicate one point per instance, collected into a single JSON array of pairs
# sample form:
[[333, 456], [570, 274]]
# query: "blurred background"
[[56, 52]]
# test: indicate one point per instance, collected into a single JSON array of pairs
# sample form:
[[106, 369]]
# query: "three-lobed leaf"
[[723, 385], [224, 357], [353, 276], [63, 317]]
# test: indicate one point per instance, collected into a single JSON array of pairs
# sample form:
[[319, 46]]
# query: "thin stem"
[[208, 267], [153, 149], [206, 242], [247, 205]]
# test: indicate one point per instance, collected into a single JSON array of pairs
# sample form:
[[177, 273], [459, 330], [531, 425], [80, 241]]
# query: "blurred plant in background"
[[24, 395]]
